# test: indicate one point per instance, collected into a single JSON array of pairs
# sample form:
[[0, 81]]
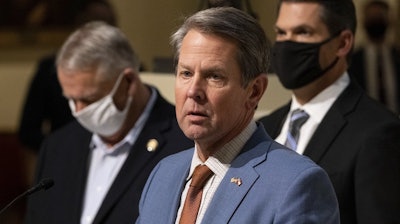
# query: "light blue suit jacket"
[[278, 186]]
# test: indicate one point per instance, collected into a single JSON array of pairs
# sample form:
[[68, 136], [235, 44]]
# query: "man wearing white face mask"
[[96, 116], [100, 162]]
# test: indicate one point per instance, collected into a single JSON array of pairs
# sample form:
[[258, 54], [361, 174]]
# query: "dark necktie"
[[193, 198], [381, 77], [298, 118]]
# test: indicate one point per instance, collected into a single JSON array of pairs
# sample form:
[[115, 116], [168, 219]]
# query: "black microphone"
[[44, 184]]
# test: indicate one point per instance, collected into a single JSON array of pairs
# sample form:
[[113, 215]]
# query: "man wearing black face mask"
[[376, 65], [330, 119]]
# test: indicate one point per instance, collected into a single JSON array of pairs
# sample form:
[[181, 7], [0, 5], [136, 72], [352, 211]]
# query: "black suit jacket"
[[64, 157], [358, 144], [357, 69]]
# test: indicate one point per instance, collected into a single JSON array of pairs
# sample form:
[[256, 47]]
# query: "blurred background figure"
[[33, 14], [239, 4], [44, 111], [101, 161], [376, 64], [45, 108]]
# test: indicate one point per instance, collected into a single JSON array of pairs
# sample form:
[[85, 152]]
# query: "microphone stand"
[[43, 184]]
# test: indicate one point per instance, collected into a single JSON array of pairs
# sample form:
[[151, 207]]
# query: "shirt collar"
[[321, 103], [220, 162]]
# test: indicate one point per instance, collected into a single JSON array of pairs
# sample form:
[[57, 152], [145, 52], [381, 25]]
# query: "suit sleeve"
[[377, 177], [309, 199]]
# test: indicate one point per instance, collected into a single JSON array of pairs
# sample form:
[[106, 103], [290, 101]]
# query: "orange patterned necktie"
[[193, 198]]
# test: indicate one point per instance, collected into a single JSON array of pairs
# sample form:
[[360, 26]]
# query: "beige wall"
[[148, 24]]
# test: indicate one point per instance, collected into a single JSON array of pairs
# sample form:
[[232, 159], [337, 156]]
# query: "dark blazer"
[[277, 186], [357, 69], [358, 144], [64, 157]]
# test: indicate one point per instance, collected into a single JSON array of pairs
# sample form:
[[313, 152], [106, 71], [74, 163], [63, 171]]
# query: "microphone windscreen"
[[46, 183]]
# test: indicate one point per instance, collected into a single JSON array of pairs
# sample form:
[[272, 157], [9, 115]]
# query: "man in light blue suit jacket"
[[278, 186], [222, 60]]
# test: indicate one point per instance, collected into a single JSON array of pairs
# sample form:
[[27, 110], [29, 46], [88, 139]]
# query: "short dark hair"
[[337, 15]]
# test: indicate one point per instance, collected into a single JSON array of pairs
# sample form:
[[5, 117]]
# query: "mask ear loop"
[[331, 65], [330, 38], [114, 90], [116, 85]]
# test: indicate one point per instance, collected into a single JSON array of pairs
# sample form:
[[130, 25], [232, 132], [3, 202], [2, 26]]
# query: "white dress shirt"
[[316, 108]]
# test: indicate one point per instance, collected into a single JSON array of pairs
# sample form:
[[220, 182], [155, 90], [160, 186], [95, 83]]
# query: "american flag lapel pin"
[[236, 180]]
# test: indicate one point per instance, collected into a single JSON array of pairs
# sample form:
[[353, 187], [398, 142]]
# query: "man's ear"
[[256, 89], [129, 74], [346, 41], [132, 79]]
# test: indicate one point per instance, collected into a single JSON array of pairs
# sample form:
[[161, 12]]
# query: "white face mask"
[[102, 117]]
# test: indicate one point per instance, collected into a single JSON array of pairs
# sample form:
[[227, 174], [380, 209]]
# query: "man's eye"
[[185, 73], [304, 33], [280, 32], [215, 76], [216, 80]]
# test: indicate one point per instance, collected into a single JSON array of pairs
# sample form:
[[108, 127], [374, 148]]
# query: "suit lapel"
[[136, 160], [333, 122], [168, 183], [78, 172], [324, 135], [230, 194], [181, 171], [273, 123]]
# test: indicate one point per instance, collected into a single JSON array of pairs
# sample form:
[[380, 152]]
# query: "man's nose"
[[196, 89]]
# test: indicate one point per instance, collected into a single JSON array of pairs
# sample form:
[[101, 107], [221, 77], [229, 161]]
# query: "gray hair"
[[100, 47], [236, 25]]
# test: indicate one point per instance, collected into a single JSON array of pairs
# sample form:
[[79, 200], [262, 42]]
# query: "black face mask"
[[376, 29], [297, 64]]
